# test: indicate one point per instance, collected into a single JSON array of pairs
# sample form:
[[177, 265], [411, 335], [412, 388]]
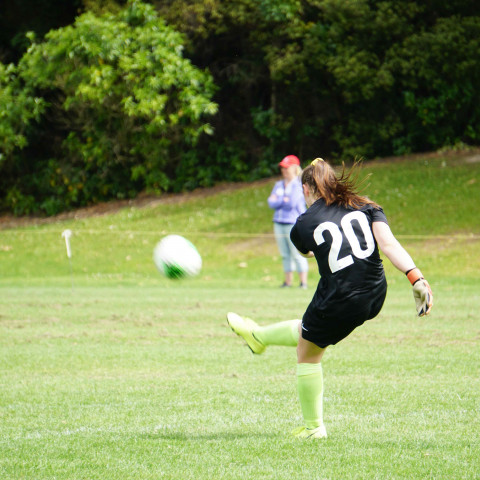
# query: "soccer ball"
[[176, 257]]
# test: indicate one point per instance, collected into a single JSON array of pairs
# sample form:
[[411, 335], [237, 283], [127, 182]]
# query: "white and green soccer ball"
[[176, 257]]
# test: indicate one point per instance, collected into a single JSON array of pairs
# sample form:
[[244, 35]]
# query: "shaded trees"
[[312, 77], [119, 102], [344, 78]]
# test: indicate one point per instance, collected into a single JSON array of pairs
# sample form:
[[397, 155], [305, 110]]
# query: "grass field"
[[109, 371]]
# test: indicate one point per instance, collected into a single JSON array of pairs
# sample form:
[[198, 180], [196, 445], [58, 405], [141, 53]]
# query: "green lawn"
[[109, 371]]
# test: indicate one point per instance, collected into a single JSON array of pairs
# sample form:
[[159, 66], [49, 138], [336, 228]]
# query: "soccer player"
[[343, 230]]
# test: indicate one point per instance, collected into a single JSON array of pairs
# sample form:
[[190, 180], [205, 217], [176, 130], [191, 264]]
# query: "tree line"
[[172, 95]]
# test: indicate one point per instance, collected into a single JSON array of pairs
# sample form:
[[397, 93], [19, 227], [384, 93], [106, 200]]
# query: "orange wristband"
[[414, 275]]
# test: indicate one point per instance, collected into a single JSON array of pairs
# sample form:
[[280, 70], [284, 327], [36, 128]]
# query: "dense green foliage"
[[120, 105], [18, 106], [344, 78], [333, 78]]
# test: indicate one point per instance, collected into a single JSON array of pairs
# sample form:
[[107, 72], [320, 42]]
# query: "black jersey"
[[349, 263]]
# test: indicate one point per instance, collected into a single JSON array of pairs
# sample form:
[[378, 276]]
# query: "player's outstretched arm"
[[400, 258]]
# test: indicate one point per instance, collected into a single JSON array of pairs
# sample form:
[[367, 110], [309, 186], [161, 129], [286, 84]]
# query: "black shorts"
[[323, 328]]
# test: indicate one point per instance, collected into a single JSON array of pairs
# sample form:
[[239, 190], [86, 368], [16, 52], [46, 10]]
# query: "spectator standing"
[[288, 202]]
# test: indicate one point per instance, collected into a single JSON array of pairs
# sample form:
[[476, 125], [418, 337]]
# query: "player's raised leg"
[[284, 333], [244, 327]]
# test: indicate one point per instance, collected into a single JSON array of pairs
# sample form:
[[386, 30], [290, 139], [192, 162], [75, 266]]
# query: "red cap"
[[289, 160]]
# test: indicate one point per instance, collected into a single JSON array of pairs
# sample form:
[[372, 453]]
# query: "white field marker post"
[[66, 235]]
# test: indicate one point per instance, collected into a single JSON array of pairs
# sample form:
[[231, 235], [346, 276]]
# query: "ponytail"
[[341, 190]]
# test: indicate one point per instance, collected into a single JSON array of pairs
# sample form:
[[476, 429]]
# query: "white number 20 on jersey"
[[334, 262]]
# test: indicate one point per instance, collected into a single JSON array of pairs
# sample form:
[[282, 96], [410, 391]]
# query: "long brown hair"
[[341, 190]]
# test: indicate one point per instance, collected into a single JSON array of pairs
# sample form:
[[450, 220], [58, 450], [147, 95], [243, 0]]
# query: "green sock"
[[310, 393], [283, 333]]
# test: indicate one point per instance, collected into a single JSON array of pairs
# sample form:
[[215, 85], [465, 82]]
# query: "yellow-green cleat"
[[310, 433], [244, 328]]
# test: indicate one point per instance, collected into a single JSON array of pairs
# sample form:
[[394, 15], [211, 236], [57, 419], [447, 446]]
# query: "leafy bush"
[[362, 77], [122, 101], [18, 107], [110, 106]]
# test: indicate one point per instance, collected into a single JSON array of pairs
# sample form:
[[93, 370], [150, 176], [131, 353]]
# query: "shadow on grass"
[[226, 436]]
